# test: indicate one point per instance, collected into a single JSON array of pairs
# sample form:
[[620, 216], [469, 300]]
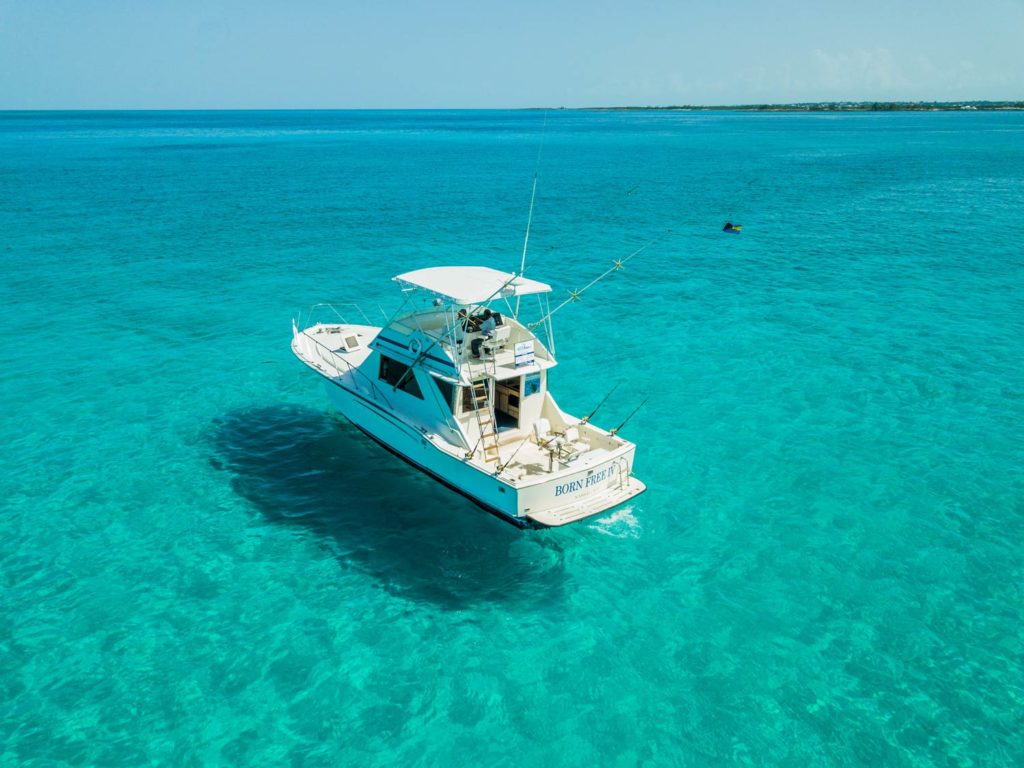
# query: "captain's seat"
[[499, 338]]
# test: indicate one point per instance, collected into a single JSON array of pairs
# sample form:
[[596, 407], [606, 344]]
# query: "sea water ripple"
[[202, 564]]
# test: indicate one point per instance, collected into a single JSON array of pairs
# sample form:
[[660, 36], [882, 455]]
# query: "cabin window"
[[447, 392], [399, 375], [531, 384]]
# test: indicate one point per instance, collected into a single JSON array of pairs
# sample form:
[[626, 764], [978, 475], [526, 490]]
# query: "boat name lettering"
[[579, 485]]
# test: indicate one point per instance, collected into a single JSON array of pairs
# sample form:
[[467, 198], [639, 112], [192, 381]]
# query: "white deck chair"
[[573, 441], [499, 338]]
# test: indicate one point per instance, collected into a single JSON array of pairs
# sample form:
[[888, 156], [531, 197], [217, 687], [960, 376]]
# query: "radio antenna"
[[533, 197]]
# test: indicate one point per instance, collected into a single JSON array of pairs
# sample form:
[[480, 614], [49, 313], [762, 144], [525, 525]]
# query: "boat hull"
[[591, 489]]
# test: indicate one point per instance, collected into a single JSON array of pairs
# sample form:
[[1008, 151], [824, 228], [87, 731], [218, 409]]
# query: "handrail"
[[334, 358], [312, 309], [623, 466], [306, 318]]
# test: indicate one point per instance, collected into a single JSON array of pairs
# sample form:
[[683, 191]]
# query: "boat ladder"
[[485, 420]]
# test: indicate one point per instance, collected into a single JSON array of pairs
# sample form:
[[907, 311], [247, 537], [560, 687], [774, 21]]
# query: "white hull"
[[567, 496], [469, 403]]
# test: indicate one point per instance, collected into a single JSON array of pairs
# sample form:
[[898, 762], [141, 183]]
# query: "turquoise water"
[[202, 565]]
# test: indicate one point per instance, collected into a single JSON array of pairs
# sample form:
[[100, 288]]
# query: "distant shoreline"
[[824, 106], [833, 106]]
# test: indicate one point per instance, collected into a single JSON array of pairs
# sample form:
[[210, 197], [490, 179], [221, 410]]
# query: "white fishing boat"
[[487, 426]]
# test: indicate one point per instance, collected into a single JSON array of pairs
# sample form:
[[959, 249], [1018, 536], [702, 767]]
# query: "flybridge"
[[438, 325], [471, 285]]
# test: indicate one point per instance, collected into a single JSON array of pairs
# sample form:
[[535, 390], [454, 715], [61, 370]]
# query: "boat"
[[487, 427]]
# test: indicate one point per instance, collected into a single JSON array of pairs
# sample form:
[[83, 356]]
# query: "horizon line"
[[1017, 103]]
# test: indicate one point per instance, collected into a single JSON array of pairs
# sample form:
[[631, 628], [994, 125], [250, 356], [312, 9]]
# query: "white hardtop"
[[471, 285]]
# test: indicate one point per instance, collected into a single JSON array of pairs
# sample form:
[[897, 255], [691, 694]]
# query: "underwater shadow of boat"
[[305, 468]]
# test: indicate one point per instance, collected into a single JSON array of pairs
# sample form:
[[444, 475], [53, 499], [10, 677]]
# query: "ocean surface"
[[201, 564]]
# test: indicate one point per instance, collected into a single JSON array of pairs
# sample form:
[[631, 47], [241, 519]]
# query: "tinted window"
[[447, 391], [399, 375]]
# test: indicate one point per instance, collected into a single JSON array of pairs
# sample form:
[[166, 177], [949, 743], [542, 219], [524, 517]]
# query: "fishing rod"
[[630, 416], [616, 266], [588, 417], [501, 467]]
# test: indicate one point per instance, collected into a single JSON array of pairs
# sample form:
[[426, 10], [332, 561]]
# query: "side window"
[[447, 392], [399, 375]]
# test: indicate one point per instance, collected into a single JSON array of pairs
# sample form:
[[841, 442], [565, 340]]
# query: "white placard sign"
[[524, 353]]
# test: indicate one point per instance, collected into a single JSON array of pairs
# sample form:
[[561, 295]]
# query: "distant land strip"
[[836, 106]]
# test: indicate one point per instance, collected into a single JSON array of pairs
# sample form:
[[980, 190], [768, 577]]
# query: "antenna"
[[533, 197], [526, 240]]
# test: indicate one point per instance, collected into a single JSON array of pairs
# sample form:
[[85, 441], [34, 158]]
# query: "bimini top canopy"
[[471, 285]]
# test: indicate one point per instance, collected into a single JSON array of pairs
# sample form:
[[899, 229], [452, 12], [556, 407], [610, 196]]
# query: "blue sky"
[[456, 53]]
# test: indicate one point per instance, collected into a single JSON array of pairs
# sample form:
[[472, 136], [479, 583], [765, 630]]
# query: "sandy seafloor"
[[201, 565]]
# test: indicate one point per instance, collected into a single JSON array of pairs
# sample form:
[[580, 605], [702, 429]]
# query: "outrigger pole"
[[617, 265]]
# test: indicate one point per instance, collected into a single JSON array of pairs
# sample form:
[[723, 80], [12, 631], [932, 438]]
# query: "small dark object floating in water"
[[734, 228]]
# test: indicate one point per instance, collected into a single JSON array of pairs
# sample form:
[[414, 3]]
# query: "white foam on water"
[[621, 524]]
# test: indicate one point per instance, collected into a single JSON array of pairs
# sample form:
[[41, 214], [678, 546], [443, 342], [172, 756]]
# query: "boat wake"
[[621, 524]]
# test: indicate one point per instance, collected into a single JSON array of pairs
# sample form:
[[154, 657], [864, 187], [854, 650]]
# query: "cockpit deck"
[[524, 458]]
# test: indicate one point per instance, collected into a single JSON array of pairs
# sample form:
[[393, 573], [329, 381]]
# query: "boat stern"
[[580, 493]]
